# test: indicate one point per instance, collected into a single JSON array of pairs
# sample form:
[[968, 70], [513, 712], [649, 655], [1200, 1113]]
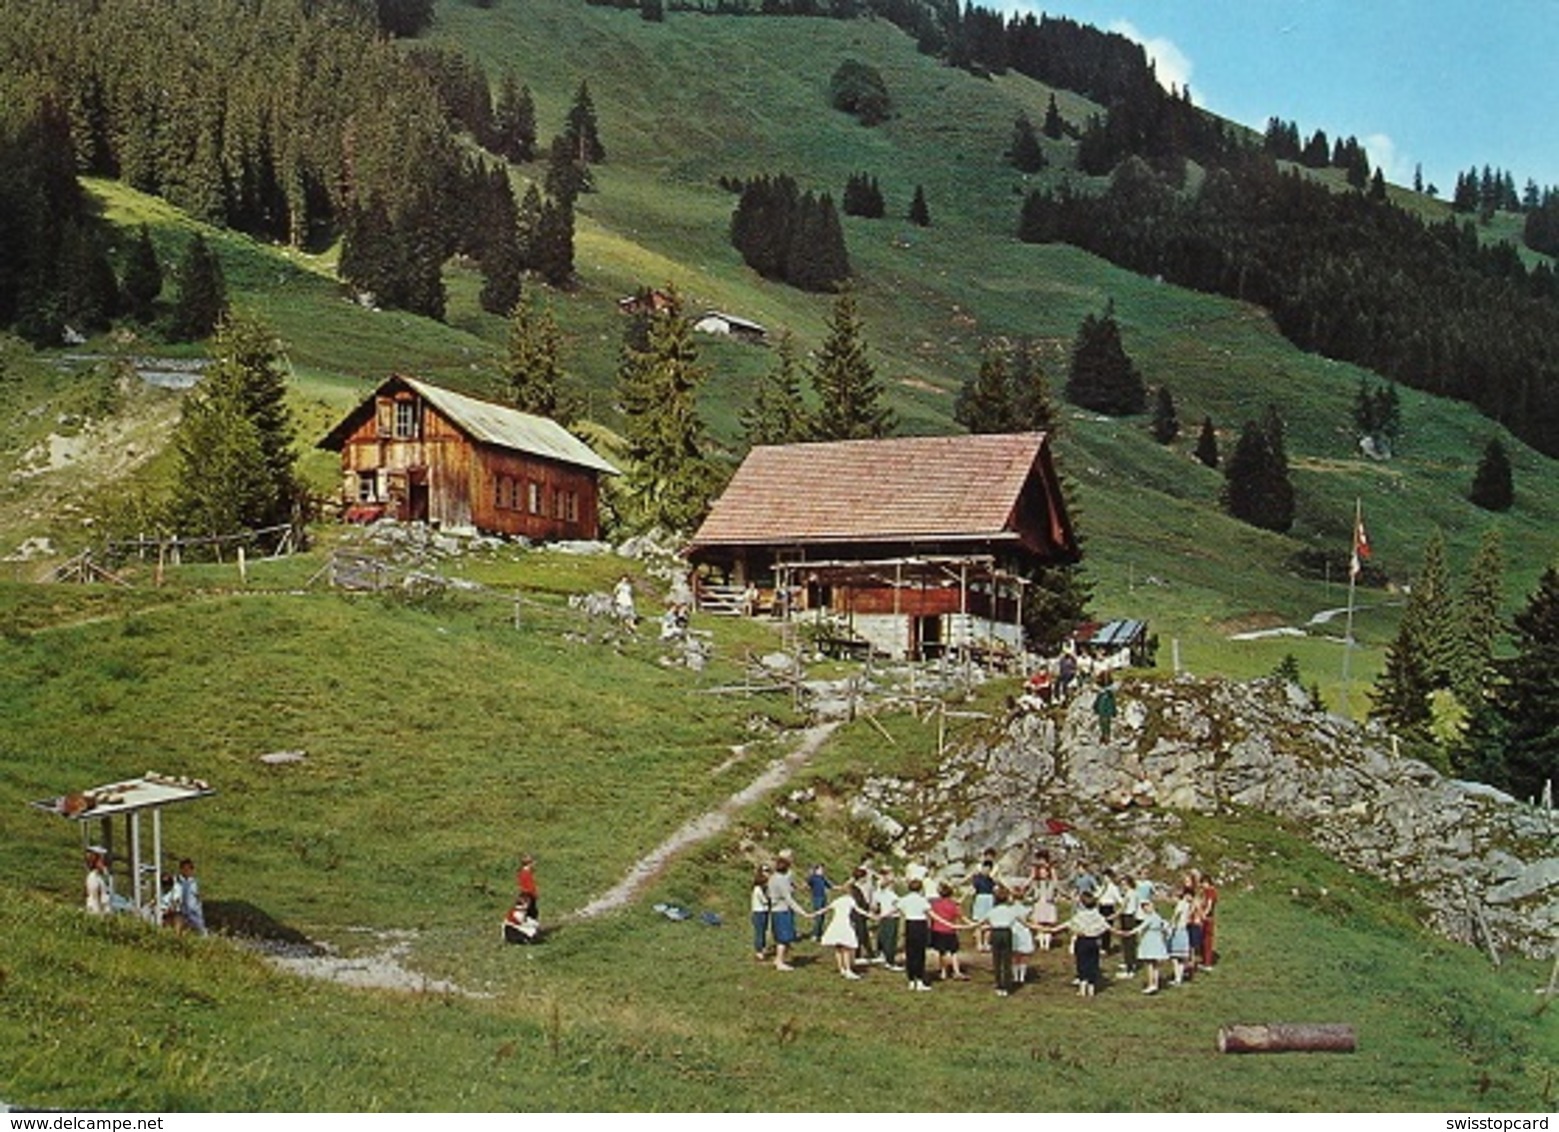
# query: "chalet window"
[[557, 503], [368, 487], [570, 505], [384, 422], [408, 419], [534, 500], [505, 492]]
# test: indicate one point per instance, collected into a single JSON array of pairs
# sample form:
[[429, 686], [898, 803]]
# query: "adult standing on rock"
[[1104, 705]]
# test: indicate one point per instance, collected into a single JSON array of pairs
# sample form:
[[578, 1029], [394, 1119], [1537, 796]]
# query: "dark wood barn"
[[910, 546], [418, 452]]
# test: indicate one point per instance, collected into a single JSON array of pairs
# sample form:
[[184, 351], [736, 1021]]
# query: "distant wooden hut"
[[419, 452], [910, 545]]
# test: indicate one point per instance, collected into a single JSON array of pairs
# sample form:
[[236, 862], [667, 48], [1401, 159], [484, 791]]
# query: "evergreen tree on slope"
[[849, 392]]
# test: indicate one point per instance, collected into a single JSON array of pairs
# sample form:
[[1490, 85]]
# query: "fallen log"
[[1285, 1037]]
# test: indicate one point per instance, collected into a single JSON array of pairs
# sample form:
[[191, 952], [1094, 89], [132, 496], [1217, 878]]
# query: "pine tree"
[[1256, 487], [1166, 425], [567, 176], [532, 366], [1402, 690], [777, 414], [220, 486], [582, 130], [1207, 444], [89, 293], [1034, 410], [1054, 126], [1055, 602], [669, 481], [1493, 486], [202, 294], [984, 402], [1528, 698], [849, 393], [1025, 153], [815, 258], [552, 250], [514, 121], [863, 197], [1478, 621], [142, 277], [1433, 604], [237, 465], [919, 212], [1103, 377], [501, 258]]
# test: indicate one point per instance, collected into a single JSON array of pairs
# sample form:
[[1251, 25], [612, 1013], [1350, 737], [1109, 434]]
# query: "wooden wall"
[[493, 489]]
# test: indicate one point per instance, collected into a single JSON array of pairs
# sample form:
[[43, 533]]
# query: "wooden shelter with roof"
[[911, 546], [419, 452]]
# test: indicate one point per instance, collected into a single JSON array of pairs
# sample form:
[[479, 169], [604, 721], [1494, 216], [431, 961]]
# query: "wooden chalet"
[[907, 546], [420, 453]]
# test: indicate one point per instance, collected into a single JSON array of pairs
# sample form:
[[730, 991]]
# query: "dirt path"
[[706, 825], [386, 970]]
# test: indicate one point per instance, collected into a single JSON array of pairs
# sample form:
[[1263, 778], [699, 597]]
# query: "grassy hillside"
[[442, 741]]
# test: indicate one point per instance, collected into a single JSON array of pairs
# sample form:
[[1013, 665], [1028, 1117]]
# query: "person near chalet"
[[1066, 673], [1104, 705]]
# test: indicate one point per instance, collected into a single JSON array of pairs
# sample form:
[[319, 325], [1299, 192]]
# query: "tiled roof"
[[922, 487]]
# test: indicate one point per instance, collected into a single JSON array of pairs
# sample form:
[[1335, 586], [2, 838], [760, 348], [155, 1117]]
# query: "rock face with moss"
[[1483, 865]]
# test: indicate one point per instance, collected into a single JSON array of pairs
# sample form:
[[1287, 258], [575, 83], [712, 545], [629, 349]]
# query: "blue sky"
[[1448, 84]]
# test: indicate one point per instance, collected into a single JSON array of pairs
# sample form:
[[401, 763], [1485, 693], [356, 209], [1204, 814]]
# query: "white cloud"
[[1396, 167], [1171, 64]]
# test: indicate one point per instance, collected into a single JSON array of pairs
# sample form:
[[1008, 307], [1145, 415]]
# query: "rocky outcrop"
[[1484, 866]]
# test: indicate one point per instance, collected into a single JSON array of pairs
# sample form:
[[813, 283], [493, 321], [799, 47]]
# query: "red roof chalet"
[[935, 534]]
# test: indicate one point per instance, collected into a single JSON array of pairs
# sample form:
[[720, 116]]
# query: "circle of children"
[[912, 923]]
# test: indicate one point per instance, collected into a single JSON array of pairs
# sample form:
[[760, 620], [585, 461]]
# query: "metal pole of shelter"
[[135, 858], [157, 862]]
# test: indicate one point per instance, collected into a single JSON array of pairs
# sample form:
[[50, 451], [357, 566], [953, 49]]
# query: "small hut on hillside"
[[420, 453], [911, 546]]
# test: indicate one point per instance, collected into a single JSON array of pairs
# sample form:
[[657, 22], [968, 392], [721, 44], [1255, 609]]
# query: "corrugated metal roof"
[[1115, 634], [485, 422], [921, 487], [491, 423]]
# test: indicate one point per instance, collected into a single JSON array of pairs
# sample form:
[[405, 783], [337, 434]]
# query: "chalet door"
[[417, 495], [928, 636]]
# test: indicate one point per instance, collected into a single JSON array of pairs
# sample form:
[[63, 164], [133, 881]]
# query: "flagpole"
[[1354, 569]]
